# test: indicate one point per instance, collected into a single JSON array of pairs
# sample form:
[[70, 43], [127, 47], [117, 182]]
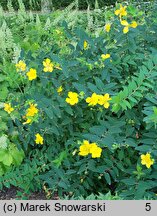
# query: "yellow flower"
[[87, 148], [105, 56], [8, 108], [93, 100], [127, 25], [48, 65], [134, 24], [107, 27], [59, 32], [30, 113], [32, 74], [95, 150], [39, 139], [32, 110], [146, 160], [121, 11], [103, 100], [84, 148], [85, 44], [125, 29], [21, 66], [72, 98], [60, 89], [124, 23]]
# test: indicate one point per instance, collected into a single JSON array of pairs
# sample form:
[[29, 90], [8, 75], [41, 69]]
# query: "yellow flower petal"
[[93, 100], [107, 27], [85, 44], [60, 89], [8, 108], [124, 23], [106, 105], [72, 98], [39, 139], [146, 160], [125, 30], [105, 56], [134, 24], [21, 66], [32, 74], [117, 12]]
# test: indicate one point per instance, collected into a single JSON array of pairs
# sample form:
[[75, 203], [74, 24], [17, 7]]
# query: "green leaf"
[[58, 161], [4, 93], [49, 113], [107, 178], [7, 159], [62, 184], [144, 148], [93, 88], [17, 156], [107, 141], [100, 85], [129, 181], [3, 142], [3, 152]]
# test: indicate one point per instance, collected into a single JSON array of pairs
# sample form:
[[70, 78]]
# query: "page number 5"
[[148, 207]]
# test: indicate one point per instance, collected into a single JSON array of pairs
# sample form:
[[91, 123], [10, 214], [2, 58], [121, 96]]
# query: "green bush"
[[118, 62]]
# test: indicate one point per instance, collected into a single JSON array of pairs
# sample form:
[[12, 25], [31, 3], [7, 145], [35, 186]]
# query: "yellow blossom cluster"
[[48, 65], [21, 66], [8, 108], [105, 56], [72, 98], [122, 12], [146, 160], [87, 148], [31, 112], [99, 99], [39, 139], [32, 73], [127, 25]]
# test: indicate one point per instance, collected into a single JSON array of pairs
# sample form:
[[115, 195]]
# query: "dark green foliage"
[[82, 4]]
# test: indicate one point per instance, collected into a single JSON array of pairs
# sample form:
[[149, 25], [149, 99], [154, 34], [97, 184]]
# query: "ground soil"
[[11, 194]]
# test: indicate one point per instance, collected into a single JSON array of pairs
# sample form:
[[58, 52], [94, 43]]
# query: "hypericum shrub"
[[95, 107]]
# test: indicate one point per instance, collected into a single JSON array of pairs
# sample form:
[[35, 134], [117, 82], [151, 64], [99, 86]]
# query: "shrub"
[[92, 108]]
